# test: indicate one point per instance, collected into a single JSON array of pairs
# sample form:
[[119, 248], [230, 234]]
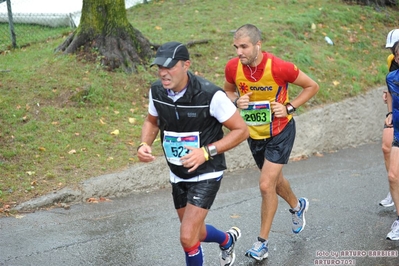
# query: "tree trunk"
[[104, 30]]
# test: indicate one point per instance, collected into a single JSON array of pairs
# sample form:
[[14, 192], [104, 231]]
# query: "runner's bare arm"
[[230, 90], [238, 133], [309, 89], [148, 134]]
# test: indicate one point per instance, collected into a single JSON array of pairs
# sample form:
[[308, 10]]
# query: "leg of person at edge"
[[257, 82], [392, 119], [387, 134], [189, 112]]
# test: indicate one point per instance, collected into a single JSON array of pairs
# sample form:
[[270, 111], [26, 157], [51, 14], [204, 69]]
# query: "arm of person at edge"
[[388, 119], [238, 133], [148, 134], [309, 89], [384, 96]]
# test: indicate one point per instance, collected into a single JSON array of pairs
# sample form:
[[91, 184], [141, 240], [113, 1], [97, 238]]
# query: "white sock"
[[297, 208]]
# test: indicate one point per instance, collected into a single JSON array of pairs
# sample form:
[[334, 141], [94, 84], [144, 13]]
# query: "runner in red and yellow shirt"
[[268, 81], [257, 82]]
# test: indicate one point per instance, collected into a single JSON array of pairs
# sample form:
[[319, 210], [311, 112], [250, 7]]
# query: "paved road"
[[343, 220]]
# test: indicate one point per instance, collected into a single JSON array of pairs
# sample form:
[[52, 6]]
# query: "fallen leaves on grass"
[[115, 132], [60, 205], [5, 210], [97, 200], [299, 158]]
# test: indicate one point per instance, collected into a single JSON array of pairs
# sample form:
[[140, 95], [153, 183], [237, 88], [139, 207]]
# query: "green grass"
[[26, 34], [57, 113]]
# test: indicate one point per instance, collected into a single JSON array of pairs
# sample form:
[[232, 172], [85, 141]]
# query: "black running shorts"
[[276, 149], [395, 142], [200, 194]]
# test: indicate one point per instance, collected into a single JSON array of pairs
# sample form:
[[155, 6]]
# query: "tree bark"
[[105, 33]]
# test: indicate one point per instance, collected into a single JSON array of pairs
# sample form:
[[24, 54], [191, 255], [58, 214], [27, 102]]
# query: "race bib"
[[174, 142], [257, 113]]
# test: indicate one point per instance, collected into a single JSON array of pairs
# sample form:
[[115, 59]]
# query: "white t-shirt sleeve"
[[222, 107], [151, 107]]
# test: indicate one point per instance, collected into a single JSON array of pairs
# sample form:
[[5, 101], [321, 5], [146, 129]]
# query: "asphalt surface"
[[345, 224]]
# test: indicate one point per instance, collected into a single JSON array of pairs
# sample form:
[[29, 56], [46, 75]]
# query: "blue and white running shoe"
[[298, 217]]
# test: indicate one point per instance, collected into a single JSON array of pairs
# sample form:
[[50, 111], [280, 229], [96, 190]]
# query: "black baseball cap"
[[168, 54]]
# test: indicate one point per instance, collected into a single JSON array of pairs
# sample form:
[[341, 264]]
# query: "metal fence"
[[373, 2], [23, 22], [19, 29]]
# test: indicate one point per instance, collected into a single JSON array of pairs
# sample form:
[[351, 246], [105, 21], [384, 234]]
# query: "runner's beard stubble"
[[248, 61]]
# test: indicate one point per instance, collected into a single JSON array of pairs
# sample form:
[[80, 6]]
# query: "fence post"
[[11, 24]]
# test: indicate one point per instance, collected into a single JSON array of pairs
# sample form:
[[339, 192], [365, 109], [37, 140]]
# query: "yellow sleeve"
[[390, 58]]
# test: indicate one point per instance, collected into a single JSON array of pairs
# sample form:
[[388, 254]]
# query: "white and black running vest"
[[188, 114]]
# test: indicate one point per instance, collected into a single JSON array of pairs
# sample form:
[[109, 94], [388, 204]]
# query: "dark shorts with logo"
[[200, 194], [275, 149]]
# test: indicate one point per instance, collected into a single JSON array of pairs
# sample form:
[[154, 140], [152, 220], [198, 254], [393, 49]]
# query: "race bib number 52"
[[174, 142], [257, 113]]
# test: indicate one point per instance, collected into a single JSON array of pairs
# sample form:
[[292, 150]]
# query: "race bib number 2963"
[[257, 113]]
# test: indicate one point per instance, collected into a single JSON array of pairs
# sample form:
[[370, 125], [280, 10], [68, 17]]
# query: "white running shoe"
[[298, 217], [227, 255], [394, 234], [387, 202], [259, 250]]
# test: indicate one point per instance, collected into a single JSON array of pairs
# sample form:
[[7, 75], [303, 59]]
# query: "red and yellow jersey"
[[269, 82]]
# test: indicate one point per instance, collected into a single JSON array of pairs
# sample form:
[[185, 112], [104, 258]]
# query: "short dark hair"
[[248, 30], [395, 48]]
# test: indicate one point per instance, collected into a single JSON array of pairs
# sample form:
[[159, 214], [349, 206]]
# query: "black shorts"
[[385, 126], [276, 149], [395, 142], [200, 194]]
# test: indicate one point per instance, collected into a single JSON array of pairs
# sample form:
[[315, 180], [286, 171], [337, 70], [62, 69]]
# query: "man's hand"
[[279, 110], [145, 154], [193, 159], [243, 101]]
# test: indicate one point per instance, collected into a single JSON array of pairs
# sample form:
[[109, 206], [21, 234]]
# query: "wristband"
[[206, 154], [212, 151], [389, 113], [290, 108], [235, 101], [141, 144], [207, 151]]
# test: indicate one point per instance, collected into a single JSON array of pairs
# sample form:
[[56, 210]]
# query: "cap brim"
[[165, 62]]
